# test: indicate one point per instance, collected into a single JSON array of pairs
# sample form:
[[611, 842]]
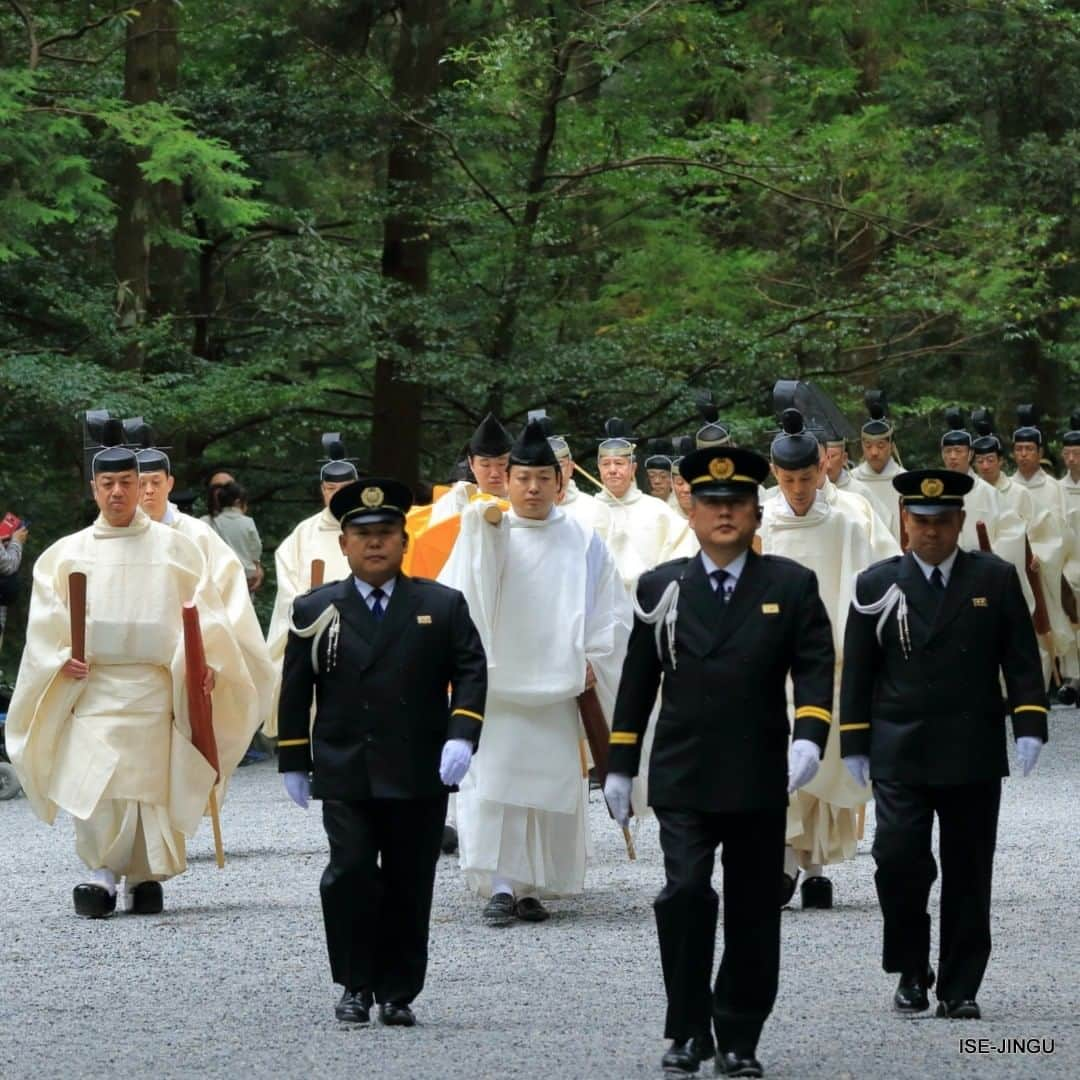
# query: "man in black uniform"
[[378, 650], [928, 633], [720, 771]]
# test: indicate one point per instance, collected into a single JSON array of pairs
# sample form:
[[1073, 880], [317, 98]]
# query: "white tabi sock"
[[104, 877], [814, 869], [501, 885], [791, 862]]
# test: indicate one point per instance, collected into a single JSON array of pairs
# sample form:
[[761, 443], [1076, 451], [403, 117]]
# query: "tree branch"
[[28, 22]]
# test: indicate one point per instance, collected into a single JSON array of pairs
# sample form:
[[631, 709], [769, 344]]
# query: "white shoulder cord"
[[666, 613], [329, 620], [894, 598]]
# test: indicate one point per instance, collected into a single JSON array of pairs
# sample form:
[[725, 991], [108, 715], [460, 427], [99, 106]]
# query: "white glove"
[[456, 756], [859, 767], [1028, 748], [617, 793], [804, 759], [298, 786]]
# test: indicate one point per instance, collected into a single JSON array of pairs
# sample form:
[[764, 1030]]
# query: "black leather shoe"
[[449, 840], [959, 1010], [145, 899], [354, 1007], [93, 901], [499, 910], [684, 1056], [910, 996], [529, 909], [393, 1015], [787, 888], [816, 892], [730, 1063]]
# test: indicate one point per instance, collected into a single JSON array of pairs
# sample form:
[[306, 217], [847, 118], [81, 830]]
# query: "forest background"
[[254, 222]]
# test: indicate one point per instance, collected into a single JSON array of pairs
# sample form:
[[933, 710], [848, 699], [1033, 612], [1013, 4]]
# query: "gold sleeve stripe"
[[814, 713], [292, 742], [624, 738], [1029, 708], [466, 712], [854, 727]]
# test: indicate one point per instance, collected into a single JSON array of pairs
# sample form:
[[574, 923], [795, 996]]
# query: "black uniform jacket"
[[382, 709], [721, 738], [938, 717]]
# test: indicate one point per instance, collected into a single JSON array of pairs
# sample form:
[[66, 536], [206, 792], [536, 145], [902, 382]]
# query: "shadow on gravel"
[[256, 853]]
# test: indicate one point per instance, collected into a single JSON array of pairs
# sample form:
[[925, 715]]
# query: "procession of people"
[[768, 643]]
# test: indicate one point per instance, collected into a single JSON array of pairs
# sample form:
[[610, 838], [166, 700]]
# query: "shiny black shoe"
[[787, 888], [729, 1063], [529, 909], [684, 1056], [93, 901], [499, 910], [959, 1010], [816, 892], [911, 996], [146, 898], [393, 1015], [449, 843], [354, 1007]]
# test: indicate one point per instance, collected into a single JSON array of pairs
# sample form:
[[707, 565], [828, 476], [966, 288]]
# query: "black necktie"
[[937, 579], [377, 597], [722, 593]]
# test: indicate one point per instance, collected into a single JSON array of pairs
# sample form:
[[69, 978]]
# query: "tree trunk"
[[150, 65], [398, 403]]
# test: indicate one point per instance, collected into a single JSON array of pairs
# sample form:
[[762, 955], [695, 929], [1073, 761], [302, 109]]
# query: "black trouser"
[[376, 892], [967, 826], [753, 860]]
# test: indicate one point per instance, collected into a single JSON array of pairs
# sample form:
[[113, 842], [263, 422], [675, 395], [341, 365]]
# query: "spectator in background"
[[213, 488], [231, 523], [11, 550]]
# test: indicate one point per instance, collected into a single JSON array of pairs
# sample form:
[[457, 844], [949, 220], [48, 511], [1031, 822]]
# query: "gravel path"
[[232, 979]]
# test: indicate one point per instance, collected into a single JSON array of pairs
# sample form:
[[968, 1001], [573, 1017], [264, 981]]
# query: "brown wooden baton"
[[77, 613], [318, 572]]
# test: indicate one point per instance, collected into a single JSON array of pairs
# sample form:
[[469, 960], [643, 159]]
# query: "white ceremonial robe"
[[228, 577], [644, 532], [316, 537], [545, 597], [848, 501], [847, 483], [114, 750], [1071, 491], [822, 817], [461, 493], [586, 509], [1052, 541], [878, 488]]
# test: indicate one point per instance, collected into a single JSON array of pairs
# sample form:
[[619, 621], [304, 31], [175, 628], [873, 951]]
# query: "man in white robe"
[[578, 504], [644, 531], [838, 469], [1070, 453], [487, 454], [554, 619], [1052, 541], [315, 538], [225, 571], [800, 524], [107, 739], [878, 466]]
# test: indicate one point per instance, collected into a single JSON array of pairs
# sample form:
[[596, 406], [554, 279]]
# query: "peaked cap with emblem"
[[985, 441], [371, 499], [1027, 416], [878, 426], [337, 468], [490, 439], [618, 439], [955, 433], [929, 491], [794, 448], [532, 448], [724, 471], [1072, 436]]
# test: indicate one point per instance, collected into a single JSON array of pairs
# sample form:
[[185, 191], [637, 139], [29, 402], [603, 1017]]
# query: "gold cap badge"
[[721, 468], [372, 497], [932, 487]]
